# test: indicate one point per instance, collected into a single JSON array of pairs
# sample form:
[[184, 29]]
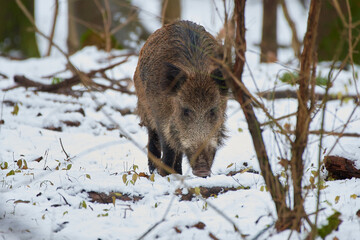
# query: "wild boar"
[[182, 96]]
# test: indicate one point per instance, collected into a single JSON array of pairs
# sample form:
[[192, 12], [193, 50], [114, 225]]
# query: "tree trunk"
[[277, 191], [269, 41], [306, 82], [171, 11], [17, 38]]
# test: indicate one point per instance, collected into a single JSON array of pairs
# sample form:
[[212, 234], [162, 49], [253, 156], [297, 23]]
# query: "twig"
[[331, 133], [66, 202], [271, 95], [106, 18], [56, 11], [67, 83], [278, 119], [151, 228], [295, 43], [3, 75], [67, 156], [128, 20]]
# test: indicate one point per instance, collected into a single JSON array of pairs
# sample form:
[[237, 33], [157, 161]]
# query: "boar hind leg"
[[171, 158], [153, 149]]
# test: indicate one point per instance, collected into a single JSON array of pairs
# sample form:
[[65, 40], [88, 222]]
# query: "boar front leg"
[[171, 158], [153, 148]]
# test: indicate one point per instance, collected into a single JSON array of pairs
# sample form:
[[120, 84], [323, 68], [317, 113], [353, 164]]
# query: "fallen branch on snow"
[[340, 167], [65, 85]]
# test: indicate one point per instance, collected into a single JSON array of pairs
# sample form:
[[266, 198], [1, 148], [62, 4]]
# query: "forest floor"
[[68, 172]]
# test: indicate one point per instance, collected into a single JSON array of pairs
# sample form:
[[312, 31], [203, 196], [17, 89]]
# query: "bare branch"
[[56, 11], [295, 43]]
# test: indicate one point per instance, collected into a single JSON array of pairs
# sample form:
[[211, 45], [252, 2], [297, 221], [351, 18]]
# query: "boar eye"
[[186, 112], [213, 111]]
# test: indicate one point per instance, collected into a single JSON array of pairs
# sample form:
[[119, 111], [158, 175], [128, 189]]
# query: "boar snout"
[[201, 166], [202, 172]]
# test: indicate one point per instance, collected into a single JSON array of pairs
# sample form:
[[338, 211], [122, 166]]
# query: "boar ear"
[[218, 77], [175, 77]]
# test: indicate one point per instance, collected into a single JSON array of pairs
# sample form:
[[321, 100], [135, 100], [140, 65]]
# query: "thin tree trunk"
[[171, 11], [276, 190], [303, 114], [269, 41], [56, 11]]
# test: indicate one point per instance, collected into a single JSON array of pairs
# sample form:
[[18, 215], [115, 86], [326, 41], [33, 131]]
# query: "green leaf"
[[103, 215], [21, 201], [152, 177], [124, 178], [135, 167], [56, 80], [333, 223], [230, 165], [83, 205], [12, 172], [197, 190], [205, 206], [15, 110], [290, 78], [337, 198], [68, 167], [19, 163], [88, 176], [4, 165], [134, 178], [64, 213], [321, 81], [314, 173], [312, 179], [353, 196], [113, 200], [25, 164]]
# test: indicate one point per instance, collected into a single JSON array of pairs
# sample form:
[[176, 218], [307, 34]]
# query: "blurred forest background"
[[115, 24]]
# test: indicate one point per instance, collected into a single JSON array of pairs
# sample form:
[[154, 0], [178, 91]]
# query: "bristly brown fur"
[[181, 95]]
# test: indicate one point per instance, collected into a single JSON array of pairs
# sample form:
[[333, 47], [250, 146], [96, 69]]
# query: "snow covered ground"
[[48, 197]]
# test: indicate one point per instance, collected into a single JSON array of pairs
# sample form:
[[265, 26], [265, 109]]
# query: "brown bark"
[[66, 84], [271, 95], [340, 167], [295, 44], [269, 42], [303, 114], [56, 12], [276, 190], [101, 197], [171, 11]]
